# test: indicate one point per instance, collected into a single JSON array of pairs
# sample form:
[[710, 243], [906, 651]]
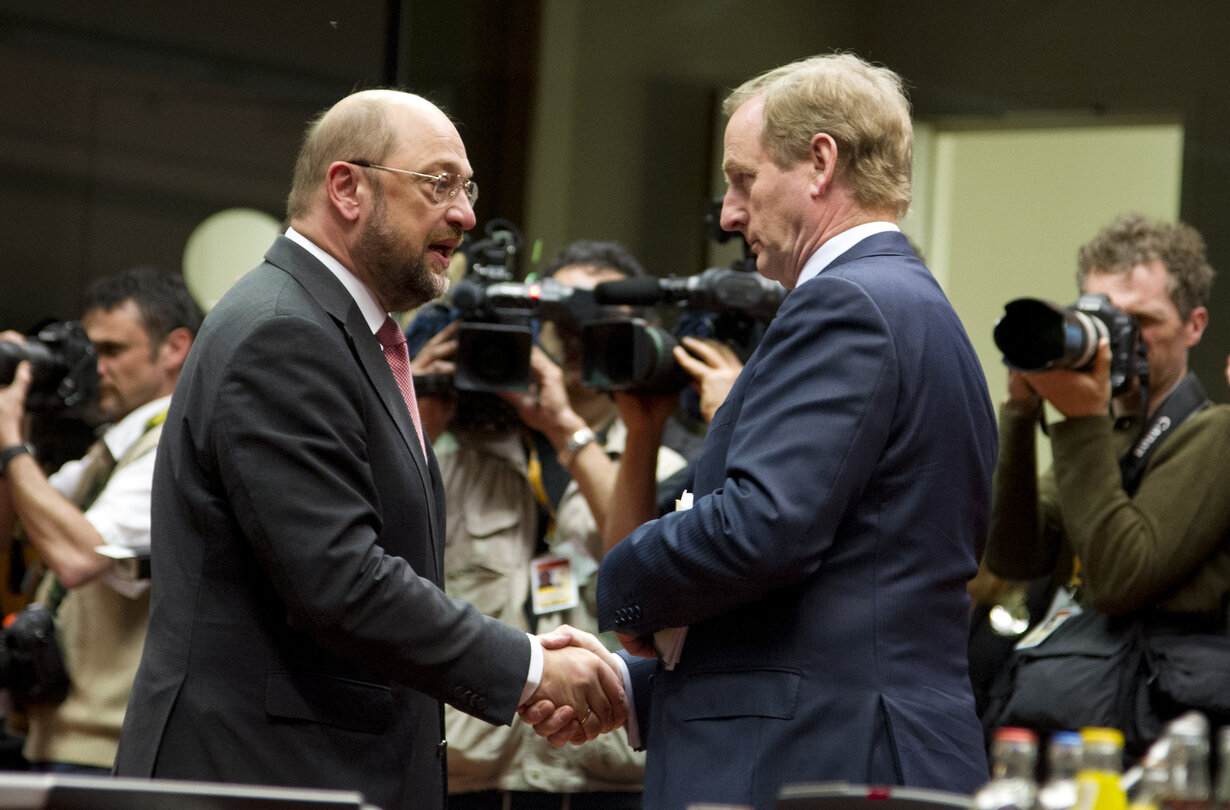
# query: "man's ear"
[[175, 346], [1196, 324], [345, 186], [823, 158]]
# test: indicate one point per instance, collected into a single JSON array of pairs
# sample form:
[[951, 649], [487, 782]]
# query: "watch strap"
[[576, 441], [7, 454]]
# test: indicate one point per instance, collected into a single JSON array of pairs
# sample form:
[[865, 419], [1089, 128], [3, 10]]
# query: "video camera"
[[64, 365], [496, 314], [1036, 335], [731, 304], [629, 353]]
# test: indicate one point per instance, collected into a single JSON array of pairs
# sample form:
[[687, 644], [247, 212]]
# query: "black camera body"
[[64, 365], [724, 303], [496, 329], [497, 316], [1037, 335], [31, 665]]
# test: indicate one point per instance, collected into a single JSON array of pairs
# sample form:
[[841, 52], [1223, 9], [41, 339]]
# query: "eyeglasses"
[[444, 186]]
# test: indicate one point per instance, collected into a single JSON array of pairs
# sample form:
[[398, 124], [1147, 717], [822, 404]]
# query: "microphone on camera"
[[640, 291], [717, 289]]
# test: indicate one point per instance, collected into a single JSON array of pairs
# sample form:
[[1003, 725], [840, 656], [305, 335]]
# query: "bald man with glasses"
[[298, 634]]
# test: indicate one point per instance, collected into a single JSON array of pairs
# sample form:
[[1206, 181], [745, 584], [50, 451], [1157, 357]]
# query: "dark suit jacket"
[[298, 634], [843, 492]]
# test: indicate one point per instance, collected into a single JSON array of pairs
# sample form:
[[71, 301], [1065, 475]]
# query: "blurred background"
[[142, 131]]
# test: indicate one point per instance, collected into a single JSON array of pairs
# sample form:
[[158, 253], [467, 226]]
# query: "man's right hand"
[[13, 404], [581, 681], [1076, 393], [436, 358]]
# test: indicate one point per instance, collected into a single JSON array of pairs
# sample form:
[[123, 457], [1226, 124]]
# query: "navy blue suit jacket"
[[842, 497], [298, 632]]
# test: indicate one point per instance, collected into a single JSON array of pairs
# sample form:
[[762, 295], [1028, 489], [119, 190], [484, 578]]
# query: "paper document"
[[668, 642]]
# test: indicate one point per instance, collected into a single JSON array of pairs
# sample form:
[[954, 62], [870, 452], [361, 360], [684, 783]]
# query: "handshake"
[[581, 694]]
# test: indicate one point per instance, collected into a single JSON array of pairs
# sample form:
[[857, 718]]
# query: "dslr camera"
[[1037, 335], [64, 365]]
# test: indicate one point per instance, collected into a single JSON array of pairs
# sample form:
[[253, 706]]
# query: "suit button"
[[480, 703]]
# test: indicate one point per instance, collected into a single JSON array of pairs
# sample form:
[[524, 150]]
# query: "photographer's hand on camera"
[[1075, 393], [545, 406], [13, 403], [435, 359], [714, 366]]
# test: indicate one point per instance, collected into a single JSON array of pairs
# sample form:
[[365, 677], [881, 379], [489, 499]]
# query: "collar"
[[124, 433], [368, 305], [838, 245]]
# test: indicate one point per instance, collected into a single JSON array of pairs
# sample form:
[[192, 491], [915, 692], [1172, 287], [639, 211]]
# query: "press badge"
[[1063, 607], [553, 585]]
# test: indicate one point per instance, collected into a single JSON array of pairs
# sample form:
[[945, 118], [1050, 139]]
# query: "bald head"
[[364, 125]]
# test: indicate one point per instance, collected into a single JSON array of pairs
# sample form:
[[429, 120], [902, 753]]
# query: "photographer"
[[1133, 518], [528, 478], [141, 324]]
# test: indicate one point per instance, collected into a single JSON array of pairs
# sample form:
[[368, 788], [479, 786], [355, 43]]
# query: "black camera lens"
[[627, 353], [1036, 335]]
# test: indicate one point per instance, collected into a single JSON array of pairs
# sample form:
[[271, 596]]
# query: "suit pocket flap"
[[340, 702], [743, 693]]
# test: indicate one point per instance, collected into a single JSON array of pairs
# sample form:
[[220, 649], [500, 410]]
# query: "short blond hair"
[[864, 109], [358, 130]]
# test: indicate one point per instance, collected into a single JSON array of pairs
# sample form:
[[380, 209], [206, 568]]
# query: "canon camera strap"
[[1187, 399]]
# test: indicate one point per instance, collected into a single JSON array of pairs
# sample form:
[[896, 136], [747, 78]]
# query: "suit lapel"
[[337, 303]]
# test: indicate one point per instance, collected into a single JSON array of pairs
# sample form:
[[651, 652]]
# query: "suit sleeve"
[[814, 417], [292, 440]]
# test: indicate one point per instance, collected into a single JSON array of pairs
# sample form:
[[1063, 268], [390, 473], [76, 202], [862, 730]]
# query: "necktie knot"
[[390, 335], [393, 342]]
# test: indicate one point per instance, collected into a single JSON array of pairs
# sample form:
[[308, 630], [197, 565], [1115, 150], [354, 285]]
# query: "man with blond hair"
[[842, 491]]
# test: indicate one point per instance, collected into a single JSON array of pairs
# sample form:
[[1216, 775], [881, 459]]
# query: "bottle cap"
[[1015, 734], [1066, 738], [1108, 736]]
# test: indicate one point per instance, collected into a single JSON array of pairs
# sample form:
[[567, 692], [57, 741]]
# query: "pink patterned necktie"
[[394, 344]]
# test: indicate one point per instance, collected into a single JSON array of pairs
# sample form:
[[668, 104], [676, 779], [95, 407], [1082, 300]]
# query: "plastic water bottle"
[[1063, 759], [1097, 781], [1014, 752], [1222, 793], [1188, 762]]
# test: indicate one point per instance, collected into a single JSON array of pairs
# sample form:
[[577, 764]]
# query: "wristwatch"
[[575, 442], [11, 452]]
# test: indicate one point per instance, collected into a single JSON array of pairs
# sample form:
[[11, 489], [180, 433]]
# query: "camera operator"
[[528, 477], [141, 324], [1133, 517]]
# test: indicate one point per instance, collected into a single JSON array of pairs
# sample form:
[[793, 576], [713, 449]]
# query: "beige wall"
[[1006, 209], [625, 142]]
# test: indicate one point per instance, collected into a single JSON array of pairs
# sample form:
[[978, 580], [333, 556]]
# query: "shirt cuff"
[[633, 730], [534, 677]]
